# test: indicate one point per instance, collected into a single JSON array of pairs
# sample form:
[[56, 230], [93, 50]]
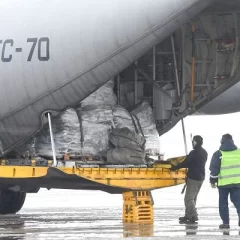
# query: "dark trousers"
[[190, 199], [223, 201]]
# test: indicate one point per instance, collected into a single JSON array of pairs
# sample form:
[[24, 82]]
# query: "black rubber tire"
[[11, 202]]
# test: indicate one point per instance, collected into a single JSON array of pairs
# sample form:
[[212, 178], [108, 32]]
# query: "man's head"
[[197, 141], [226, 137]]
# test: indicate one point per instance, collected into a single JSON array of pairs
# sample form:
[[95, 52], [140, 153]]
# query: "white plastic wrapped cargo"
[[95, 139], [96, 120], [145, 117], [122, 118], [96, 114], [96, 123], [103, 96], [66, 131]]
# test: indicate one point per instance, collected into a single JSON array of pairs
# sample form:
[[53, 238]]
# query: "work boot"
[[192, 220], [188, 220], [224, 226], [183, 219]]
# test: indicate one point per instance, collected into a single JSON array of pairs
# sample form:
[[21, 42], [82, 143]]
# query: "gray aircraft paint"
[[226, 102], [90, 41]]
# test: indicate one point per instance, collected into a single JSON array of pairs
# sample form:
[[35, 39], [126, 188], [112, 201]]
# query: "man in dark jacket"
[[225, 172], [195, 162]]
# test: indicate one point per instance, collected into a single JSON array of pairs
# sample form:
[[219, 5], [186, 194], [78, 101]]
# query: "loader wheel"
[[11, 202]]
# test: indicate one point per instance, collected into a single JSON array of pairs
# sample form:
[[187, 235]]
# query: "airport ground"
[[59, 214]]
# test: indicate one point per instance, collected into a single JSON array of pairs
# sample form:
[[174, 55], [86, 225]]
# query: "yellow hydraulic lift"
[[136, 182]]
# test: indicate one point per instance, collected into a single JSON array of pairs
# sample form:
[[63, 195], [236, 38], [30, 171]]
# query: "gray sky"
[[211, 128]]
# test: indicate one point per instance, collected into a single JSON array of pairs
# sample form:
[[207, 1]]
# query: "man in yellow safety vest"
[[225, 173]]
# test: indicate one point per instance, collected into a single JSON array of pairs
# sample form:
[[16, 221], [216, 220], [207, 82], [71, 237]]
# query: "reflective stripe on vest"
[[230, 168]]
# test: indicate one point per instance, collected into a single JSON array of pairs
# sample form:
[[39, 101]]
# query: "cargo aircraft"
[[182, 56]]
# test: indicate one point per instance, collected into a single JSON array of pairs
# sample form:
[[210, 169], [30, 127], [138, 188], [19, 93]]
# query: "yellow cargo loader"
[[134, 182]]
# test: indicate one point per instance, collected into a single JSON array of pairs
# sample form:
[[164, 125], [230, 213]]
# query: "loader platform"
[[130, 180], [130, 177]]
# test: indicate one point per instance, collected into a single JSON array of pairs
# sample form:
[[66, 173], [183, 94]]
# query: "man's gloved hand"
[[213, 182], [173, 168]]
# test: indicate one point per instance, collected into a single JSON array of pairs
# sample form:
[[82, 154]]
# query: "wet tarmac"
[[59, 214]]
